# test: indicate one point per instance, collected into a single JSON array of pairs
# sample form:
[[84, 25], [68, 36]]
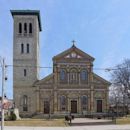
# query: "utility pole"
[[3, 83]]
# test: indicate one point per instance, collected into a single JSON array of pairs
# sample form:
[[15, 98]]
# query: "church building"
[[72, 87]]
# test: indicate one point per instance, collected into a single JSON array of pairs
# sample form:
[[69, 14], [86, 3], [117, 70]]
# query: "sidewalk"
[[88, 121], [101, 127]]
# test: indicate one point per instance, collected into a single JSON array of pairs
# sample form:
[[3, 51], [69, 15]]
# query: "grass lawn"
[[123, 120], [37, 122]]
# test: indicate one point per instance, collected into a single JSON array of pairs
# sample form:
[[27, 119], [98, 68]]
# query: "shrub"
[[7, 118], [13, 117]]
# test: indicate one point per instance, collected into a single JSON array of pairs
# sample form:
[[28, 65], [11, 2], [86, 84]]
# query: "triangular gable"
[[47, 80], [73, 52], [98, 79]]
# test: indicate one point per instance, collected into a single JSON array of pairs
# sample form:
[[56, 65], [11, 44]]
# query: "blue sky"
[[101, 28]]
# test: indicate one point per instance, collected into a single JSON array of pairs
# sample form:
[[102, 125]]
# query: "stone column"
[[41, 109], [37, 100], [91, 92], [79, 77], [55, 102], [92, 100], [56, 75], [68, 76], [79, 104], [68, 105], [89, 103], [56, 82]]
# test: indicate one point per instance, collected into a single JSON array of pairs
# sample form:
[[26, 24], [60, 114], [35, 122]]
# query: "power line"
[[29, 66], [49, 67], [106, 69]]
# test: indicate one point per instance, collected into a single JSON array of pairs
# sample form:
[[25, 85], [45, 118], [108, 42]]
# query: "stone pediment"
[[73, 53], [99, 80], [47, 80]]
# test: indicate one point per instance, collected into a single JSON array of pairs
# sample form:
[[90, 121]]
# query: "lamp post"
[[2, 61]]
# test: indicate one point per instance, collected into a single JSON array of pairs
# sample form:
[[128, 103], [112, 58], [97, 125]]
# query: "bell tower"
[[27, 26]]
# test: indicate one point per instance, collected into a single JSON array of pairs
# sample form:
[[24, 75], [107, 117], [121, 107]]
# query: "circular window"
[[73, 54]]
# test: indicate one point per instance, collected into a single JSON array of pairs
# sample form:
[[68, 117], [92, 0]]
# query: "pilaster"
[[37, 100], [55, 102]]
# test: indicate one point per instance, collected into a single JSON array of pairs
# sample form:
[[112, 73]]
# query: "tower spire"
[[73, 43]]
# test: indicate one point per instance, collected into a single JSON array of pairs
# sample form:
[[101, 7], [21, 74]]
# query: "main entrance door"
[[73, 106], [46, 107], [99, 105]]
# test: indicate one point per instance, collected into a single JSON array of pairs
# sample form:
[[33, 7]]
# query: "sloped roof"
[[48, 79], [75, 49], [100, 79]]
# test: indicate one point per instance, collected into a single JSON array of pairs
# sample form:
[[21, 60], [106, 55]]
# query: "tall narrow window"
[[25, 72], [73, 76], [24, 100], [25, 27], [20, 27], [22, 48], [25, 103], [30, 27], [28, 49], [84, 103], [63, 103], [84, 75], [62, 74]]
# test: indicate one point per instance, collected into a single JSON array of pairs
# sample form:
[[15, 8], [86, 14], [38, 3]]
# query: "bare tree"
[[121, 83], [116, 96]]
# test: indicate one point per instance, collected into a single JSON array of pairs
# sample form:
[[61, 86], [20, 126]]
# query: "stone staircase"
[[48, 116], [41, 116]]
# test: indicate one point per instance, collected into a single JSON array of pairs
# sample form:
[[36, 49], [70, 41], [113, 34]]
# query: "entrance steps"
[[41, 116], [56, 115]]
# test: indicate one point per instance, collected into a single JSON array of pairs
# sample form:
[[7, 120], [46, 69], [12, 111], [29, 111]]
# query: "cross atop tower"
[[73, 43]]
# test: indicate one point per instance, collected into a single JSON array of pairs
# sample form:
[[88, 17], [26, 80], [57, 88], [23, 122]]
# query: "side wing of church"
[[72, 87]]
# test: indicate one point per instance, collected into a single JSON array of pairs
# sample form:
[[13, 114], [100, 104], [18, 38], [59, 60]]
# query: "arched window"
[[20, 27], [63, 103], [22, 48], [28, 49], [84, 102], [84, 75], [25, 72], [73, 76], [25, 100], [25, 103], [30, 27], [25, 27], [62, 75]]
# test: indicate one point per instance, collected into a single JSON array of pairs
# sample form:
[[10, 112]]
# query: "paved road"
[[101, 127]]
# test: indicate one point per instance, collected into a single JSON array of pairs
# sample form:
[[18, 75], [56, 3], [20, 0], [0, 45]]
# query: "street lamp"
[[2, 62]]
